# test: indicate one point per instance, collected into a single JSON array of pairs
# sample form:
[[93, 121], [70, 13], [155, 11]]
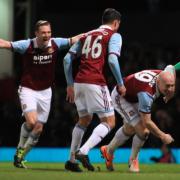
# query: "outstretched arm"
[[5, 44], [75, 39]]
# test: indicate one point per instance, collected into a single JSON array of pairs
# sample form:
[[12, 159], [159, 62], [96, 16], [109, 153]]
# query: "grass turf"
[[55, 171]]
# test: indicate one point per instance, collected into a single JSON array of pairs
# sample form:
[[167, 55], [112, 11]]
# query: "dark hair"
[[41, 23], [109, 15]]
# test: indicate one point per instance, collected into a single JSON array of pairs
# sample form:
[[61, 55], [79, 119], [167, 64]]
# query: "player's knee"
[[85, 121], [145, 134], [31, 124], [111, 121], [83, 124], [31, 118], [38, 128], [128, 130], [112, 124]]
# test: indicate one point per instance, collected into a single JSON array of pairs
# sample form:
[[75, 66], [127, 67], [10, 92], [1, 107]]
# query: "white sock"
[[77, 136], [119, 139], [31, 142], [24, 134], [137, 143], [98, 134]]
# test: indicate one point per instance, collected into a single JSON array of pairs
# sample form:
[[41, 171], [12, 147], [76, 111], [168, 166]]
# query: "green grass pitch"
[[55, 171]]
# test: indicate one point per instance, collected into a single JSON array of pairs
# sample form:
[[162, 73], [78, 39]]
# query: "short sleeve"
[[20, 46], [115, 44]]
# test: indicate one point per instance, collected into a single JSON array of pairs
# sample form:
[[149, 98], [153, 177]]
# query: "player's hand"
[[70, 94], [76, 38], [121, 90], [167, 139]]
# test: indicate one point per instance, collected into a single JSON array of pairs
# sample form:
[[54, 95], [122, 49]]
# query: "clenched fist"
[[167, 139]]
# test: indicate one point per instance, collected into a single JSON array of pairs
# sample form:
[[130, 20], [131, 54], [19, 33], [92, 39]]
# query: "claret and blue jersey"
[[142, 88], [38, 64], [95, 49]]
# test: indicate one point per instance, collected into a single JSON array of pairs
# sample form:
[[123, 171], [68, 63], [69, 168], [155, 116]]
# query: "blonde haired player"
[[39, 57]]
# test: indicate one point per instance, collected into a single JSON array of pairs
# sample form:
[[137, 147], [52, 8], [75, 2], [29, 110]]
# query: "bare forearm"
[[146, 117], [165, 138], [154, 129], [75, 39], [5, 44]]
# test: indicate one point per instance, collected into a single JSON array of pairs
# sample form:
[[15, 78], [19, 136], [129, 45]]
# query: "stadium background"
[[150, 31]]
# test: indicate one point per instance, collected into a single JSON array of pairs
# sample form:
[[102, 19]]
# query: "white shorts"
[[128, 111], [38, 101], [91, 98]]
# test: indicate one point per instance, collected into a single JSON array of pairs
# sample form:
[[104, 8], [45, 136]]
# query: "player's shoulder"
[[148, 72], [116, 36], [57, 39], [93, 31], [23, 41]]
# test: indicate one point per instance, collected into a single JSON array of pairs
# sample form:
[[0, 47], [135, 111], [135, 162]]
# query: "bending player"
[[135, 108]]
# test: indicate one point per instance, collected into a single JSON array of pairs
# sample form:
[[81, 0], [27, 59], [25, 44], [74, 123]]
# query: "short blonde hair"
[[41, 23]]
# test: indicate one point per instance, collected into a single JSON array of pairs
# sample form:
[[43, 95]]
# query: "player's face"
[[167, 88], [43, 34]]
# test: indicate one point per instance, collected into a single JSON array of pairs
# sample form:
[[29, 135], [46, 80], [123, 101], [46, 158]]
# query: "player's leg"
[[28, 104], [79, 129], [77, 135], [43, 99], [39, 100], [130, 115], [121, 136], [138, 141], [96, 137], [107, 123], [98, 101], [25, 133], [33, 137]]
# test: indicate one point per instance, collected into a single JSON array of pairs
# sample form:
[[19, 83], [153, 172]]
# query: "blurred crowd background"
[[151, 40]]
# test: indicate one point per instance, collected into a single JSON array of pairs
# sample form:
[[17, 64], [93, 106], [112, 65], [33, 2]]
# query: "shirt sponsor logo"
[[45, 59]]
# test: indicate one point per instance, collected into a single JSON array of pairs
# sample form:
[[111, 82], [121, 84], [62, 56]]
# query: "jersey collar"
[[36, 45], [105, 27]]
